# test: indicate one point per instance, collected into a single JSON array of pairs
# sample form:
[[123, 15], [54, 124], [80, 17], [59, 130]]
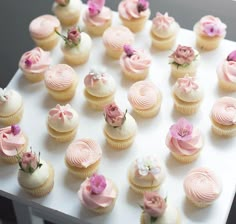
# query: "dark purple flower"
[[28, 62], [232, 56], [95, 6], [128, 50], [15, 129], [142, 5], [97, 183]]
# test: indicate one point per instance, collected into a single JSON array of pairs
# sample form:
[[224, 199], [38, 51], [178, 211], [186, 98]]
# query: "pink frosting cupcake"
[[226, 72], [61, 81], [223, 116], [97, 17], [34, 64], [83, 157], [98, 194], [42, 30], [135, 63], [184, 141], [145, 98], [13, 143], [202, 186]]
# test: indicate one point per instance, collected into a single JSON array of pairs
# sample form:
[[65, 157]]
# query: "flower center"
[[183, 132]]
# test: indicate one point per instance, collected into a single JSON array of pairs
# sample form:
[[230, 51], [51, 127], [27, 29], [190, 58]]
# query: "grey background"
[[15, 16]]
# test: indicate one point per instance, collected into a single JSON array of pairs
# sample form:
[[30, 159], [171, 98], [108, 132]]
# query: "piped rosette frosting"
[[63, 118], [183, 139], [202, 186], [83, 152], [35, 61], [224, 111]]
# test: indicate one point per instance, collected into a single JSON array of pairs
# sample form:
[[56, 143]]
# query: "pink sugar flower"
[[97, 183], [95, 6]]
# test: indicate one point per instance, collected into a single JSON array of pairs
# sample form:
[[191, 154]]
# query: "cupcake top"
[[60, 77], [134, 60], [183, 139], [143, 95], [10, 102], [66, 7], [97, 14], [202, 185], [99, 83], [97, 192], [164, 26], [116, 37], [188, 89], [147, 171], [43, 26], [63, 118], [11, 139], [211, 26], [227, 69], [83, 152], [134, 9], [224, 111], [35, 61]]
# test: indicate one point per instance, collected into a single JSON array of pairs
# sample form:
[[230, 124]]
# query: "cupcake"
[[42, 30], [98, 194], [223, 116], [164, 31], [226, 72], [158, 210], [184, 60], [11, 107], [209, 32], [134, 63], [145, 98], [187, 95], [62, 123], [76, 47], [83, 157], [114, 39], [120, 128], [97, 18], [99, 89], [146, 174], [184, 141], [35, 176], [202, 187], [134, 14], [67, 11], [34, 63], [13, 142], [61, 81]]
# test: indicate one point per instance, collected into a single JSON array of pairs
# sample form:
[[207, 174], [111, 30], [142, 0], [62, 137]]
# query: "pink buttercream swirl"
[[93, 77], [93, 201], [202, 185], [224, 111], [143, 95], [212, 26], [61, 112], [227, 71], [162, 22], [83, 153], [59, 77], [43, 26], [10, 141], [187, 84], [35, 61]]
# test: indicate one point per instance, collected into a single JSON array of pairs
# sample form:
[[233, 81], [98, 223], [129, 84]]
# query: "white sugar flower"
[[147, 165]]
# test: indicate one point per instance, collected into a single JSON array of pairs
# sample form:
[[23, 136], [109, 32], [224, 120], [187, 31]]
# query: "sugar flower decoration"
[[142, 5], [147, 165], [3, 95], [97, 183], [187, 84], [94, 76], [232, 56], [15, 129], [128, 50], [61, 112], [95, 6]]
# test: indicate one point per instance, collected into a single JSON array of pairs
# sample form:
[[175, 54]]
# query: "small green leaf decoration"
[[141, 206], [153, 219]]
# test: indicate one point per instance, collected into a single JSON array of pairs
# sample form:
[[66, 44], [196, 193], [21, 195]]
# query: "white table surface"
[[218, 153]]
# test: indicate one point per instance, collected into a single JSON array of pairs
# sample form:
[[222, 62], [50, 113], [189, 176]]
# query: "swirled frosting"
[[43, 26], [63, 118], [188, 89], [128, 10], [95, 201], [36, 61], [164, 26], [227, 71], [224, 111], [99, 84], [201, 185], [10, 102], [143, 95], [137, 62], [59, 77], [10, 142], [117, 36], [83, 153], [100, 19]]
